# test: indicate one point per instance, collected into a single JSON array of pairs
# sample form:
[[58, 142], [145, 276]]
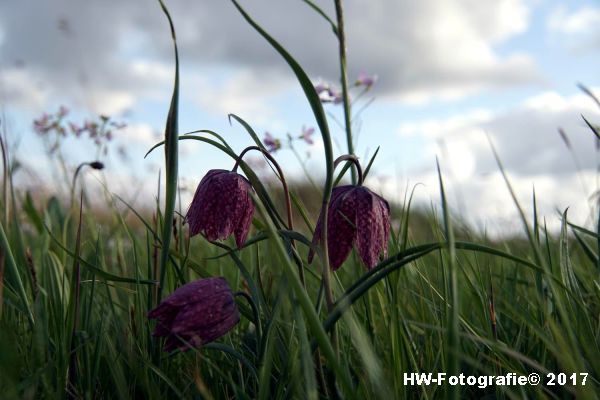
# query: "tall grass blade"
[[171, 163], [13, 270], [453, 342]]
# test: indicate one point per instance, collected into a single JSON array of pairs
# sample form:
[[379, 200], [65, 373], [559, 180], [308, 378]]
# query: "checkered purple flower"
[[196, 313], [222, 206], [359, 217]]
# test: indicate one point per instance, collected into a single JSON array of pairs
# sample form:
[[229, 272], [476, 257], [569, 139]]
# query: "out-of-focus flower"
[[272, 144], [222, 206], [327, 93], [306, 134], [366, 80], [42, 125], [62, 112], [336, 97], [195, 314], [92, 128], [356, 216], [75, 130]]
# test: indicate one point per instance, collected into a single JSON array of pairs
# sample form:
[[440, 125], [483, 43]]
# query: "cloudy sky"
[[453, 77]]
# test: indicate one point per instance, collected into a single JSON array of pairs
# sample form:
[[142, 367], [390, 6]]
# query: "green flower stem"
[[319, 113], [354, 160], [312, 319], [286, 192], [344, 80], [171, 165]]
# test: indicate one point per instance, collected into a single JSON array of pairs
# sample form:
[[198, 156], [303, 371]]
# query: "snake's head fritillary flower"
[[222, 206], [196, 313], [306, 135], [359, 217], [272, 144], [366, 80]]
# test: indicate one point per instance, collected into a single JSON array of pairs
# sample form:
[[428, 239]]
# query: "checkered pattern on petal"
[[221, 206], [196, 313], [336, 194], [356, 216], [372, 222]]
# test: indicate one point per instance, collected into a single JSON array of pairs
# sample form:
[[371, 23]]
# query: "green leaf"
[[249, 129], [171, 162], [100, 272]]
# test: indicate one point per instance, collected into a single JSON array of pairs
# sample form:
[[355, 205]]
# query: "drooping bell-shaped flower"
[[359, 217], [222, 206], [195, 314]]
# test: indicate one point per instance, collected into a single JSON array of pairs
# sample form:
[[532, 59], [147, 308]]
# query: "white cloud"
[[582, 20], [138, 134], [526, 137], [531, 151], [421, 50], [435, 128], [18, 87], [243, 93], [112, 102], [577, 30], [452, 57]]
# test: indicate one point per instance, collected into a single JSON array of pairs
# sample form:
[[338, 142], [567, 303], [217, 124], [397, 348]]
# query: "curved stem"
[[344, 79], [256, 318], [94, 164], [286, 193], [353, 159]]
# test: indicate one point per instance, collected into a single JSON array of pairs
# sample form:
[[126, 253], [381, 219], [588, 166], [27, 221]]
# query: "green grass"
[[397, 323]]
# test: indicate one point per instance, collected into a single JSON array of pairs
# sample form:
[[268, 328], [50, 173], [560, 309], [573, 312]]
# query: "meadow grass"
[[519, 306], [77, 284]]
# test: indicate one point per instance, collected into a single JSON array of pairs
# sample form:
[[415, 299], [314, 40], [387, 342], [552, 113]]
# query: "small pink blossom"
[[272, 144], [306, 134], [366, 80], [328, 93]]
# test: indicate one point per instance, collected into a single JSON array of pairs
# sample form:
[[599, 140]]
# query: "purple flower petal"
[[366, 80], [271, 143], [356, 216], [196, 313], [306, 135], [372, 218], [221, 206]]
